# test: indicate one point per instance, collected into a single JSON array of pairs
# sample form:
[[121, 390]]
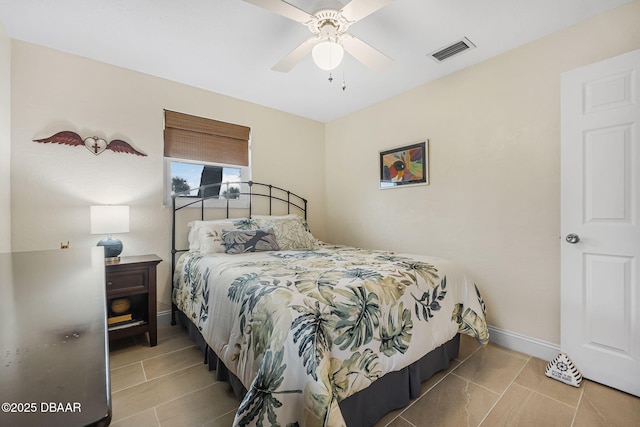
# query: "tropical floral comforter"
[[305, 329]]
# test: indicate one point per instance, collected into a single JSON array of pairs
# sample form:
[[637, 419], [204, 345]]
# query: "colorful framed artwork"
[[405, 166]]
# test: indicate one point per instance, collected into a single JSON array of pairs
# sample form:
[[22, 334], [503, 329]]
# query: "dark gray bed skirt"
[[365, 408]]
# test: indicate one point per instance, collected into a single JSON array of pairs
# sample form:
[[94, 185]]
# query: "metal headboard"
[[275, 196]]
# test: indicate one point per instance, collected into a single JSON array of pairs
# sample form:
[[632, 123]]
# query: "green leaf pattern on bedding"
[[356, 372], [310, 328], [262, 399], [358, 317], [311, 334], [396, 335], [430, 300]]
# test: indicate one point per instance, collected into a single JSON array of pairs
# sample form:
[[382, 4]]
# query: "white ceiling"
[[229, 46]]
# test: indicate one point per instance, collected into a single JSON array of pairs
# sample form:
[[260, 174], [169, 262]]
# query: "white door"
[[600, 198]]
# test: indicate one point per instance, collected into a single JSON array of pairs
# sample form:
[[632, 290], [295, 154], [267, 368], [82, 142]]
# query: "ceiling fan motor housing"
[[328, 24]]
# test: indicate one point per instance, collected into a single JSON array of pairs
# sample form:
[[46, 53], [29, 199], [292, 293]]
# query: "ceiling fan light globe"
[[327, 55]]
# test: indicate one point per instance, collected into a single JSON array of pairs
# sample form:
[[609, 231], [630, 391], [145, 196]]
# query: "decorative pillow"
[[206, 236], [292, 232], [241, 241]]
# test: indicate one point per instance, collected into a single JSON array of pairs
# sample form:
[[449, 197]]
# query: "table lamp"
[[110, 220]]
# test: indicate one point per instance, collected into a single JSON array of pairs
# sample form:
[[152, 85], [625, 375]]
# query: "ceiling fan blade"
[[296, 55], [367, 54], [282, 8], [355, 10]]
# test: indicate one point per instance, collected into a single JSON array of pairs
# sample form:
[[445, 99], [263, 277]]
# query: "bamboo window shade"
[[206, 140]]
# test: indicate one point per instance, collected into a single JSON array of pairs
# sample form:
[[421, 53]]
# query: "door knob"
[[573, 238]]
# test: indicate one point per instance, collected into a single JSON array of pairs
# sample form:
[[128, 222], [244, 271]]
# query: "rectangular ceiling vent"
[[453, 49]]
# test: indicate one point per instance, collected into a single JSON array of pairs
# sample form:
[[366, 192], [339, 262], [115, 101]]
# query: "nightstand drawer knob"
[[109, 284]]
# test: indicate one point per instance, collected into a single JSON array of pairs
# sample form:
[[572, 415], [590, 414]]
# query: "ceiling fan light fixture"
[[327, 54]]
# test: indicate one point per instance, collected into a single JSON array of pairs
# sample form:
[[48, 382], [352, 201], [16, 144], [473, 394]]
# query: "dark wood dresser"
[[54, 367]]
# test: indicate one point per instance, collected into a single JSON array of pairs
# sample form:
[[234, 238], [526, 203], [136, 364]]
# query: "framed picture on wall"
[[405, 166]]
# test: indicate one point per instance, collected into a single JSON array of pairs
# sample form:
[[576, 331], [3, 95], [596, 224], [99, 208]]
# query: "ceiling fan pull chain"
[[344, 84]]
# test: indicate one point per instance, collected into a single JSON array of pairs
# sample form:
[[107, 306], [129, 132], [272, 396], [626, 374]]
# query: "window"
[[201, 151], [189, 176]]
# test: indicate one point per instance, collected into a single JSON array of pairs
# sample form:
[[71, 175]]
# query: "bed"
[[308, 333]]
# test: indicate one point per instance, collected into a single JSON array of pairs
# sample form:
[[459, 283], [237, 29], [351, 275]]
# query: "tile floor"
[[168, 385]]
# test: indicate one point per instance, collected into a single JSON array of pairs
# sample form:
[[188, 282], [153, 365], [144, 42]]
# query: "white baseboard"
[[532, 346], [164, 318]]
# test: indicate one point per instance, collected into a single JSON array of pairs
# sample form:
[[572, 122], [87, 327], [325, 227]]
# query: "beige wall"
[[494, 200], [54, 185], [493, 204], [5, 141]]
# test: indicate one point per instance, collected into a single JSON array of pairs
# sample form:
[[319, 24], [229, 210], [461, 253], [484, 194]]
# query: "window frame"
[[206, 142], [221, 202]]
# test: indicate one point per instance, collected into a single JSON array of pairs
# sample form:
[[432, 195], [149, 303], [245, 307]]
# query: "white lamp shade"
[[109, 219], [327, 55]]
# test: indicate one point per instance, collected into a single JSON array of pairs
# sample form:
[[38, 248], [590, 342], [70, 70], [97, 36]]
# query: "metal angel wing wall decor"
[[92, 143]]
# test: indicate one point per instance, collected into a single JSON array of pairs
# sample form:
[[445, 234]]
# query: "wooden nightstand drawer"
[[133, 281], [128, 281]]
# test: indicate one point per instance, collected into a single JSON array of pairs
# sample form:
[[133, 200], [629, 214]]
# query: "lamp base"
[[112, 247]]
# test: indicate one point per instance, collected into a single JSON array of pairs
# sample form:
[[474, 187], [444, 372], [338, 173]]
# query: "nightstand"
[[131, 297]]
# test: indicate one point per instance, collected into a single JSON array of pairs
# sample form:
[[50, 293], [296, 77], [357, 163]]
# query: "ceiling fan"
[[330, 38]]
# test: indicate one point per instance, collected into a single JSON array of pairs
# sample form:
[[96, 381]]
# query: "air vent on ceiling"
[[453, 49]]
